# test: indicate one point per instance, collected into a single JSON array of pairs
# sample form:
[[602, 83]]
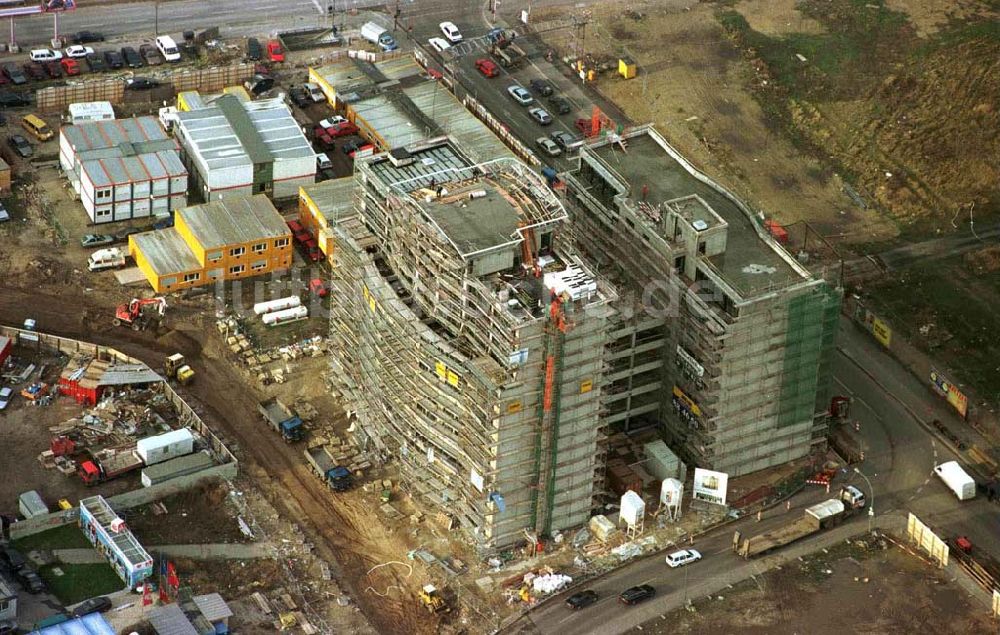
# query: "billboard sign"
[[949, 391], [58, 6], [18, 8], [710, 486]]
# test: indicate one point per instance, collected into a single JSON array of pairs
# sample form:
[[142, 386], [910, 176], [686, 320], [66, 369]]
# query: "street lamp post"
[[871, 505]]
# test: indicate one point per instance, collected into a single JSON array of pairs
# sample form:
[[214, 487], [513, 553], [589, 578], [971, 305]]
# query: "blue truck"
[[339, 478], [282, 420]]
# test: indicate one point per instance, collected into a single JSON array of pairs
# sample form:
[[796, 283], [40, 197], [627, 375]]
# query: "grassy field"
[[80, 581], [64, 537]]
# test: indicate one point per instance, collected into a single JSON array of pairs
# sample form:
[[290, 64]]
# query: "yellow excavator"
[[431, 598]]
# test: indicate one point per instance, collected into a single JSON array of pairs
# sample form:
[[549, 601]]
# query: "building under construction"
[[472, 339], [720, 335]]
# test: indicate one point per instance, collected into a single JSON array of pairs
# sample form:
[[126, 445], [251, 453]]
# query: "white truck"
[[315, 92], [379, 36], [957, 480], [110, 258]]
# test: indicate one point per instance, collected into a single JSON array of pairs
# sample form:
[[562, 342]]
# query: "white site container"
[[277, 305], [83, 111], [633, 508], [163, 447], [287, 315]]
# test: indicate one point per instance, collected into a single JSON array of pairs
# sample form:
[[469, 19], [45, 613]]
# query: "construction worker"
[[788, 505], [760, 512]]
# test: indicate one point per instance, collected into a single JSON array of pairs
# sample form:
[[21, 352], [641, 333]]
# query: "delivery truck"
[[821, 516], [957, 480], [379, 36]]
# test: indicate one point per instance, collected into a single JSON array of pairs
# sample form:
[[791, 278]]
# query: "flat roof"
[[345, 77], [234, 220], [165, 251], [93, 624], [390, 119], [476, 224], [437, 160], [750, 265], [472, 135], [334, 198], [212, 607], [126, 543]]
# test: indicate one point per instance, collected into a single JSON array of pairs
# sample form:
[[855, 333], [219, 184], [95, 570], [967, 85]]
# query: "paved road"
[[900, 456]]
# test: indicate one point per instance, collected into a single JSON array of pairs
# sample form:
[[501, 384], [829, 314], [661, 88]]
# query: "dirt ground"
[[897, 103], [848, 590], [197, 516]]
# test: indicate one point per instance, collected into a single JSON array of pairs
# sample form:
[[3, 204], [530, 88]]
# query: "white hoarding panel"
[[710, 486]]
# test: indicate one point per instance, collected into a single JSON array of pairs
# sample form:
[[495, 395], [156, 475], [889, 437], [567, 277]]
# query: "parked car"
[[31, 581], [14, 559], [340, 129], [319, 288], [141, 83], [549, 146], [78, 50], [122, 235], [439, 44], [254, 50], [541, 87], [683, 557], [636, 594], [15, 74], [323, 162], [487, 67], [5, 393], [560, 104], [451, 32], [333, 121], [13, 100], [4, 80], [131, 57], [70, 67], [96, 240], [86, 37], [520, 94], [581, 599], [44, 55], [352, 145], [35, 71], [151, 55], [299, 96], [96, 63], [563, 138], [114, 60], [21, 146], [54, 69], [93, 605], [4, 217], [539, 115], [274, 51]]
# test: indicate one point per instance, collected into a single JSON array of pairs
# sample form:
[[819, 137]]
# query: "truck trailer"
[[821, 516], [108, 464], [957, 480], [337, 477], [282, 419]]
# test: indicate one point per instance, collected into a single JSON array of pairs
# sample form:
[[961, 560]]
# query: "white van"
[[101, 259], [169, 48]]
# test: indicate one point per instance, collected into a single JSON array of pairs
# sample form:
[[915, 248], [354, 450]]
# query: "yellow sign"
[[882, 332], [441, 370], [514, 406], [687, 402], [453, 379], [586, 386]]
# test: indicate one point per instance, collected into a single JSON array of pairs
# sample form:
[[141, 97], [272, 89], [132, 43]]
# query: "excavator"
[[431, 599], [139, 313]]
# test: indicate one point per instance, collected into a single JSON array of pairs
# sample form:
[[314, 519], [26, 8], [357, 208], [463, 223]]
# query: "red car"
[[487, 67], [342, 129], [294, 226], [274, 51], [70, 66]]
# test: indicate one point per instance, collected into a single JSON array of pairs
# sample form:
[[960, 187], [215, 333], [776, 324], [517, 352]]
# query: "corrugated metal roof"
[[345, 77], [233, 221], [399, 67], [170, 620], [334, 198], [212, 606], [93, 624], [122, 170], [106, 134], [165, 251], [233, 132], [126, 374], [471, 134], [390, 120]]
